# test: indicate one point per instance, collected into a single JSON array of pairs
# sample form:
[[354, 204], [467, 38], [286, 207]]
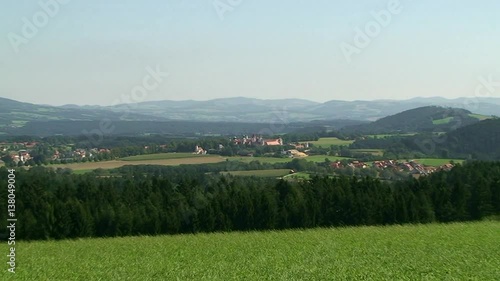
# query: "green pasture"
[[327, 142], [437, 161], [260, 173], [458, 251]]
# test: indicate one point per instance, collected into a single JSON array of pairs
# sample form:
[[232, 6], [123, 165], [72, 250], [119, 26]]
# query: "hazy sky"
[[102, 52]]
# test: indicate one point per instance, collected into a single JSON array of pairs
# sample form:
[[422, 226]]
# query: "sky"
[[118, 51]]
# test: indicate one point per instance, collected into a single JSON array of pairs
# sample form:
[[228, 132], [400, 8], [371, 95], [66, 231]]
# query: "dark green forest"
[[477, 141], [149, 200]]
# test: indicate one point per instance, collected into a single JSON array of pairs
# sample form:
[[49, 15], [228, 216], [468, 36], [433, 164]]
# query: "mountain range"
[[14, 113]]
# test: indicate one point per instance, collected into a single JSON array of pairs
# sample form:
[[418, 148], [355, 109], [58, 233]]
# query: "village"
[[27, 154]]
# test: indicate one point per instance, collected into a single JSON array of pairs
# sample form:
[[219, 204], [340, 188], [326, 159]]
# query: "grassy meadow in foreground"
[[460, 251]]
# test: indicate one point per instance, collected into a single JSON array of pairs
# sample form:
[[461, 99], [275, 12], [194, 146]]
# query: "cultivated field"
[[172, 159], [480, 116], [273, 160], [119, 163], [327, 142], [375, 152], [442, 121], [437, 161], [460, 251], [163, 156], [381, 136], [273, 173]]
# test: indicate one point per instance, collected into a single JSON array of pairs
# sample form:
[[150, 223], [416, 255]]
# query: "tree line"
[[151, 200]]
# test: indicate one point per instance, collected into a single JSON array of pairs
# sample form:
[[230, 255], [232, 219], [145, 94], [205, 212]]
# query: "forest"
[[150, 200]]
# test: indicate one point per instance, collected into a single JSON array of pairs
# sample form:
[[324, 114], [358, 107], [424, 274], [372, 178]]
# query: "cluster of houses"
[[21, 155], [79, 153], [24, 155], [259, 140], [256, 140], [18, 151], [5, 146], [412, 167]]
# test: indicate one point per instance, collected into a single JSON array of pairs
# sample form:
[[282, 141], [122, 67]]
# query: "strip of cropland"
[[459, 251], [272, 173], [153, 159]]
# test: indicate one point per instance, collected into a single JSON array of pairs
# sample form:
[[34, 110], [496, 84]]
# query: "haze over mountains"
[[237, 110]]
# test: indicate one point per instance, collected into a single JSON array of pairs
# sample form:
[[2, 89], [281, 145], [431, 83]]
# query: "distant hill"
[[229, 110], [422, 119], [16, 114], [477, 141], [299, 110]]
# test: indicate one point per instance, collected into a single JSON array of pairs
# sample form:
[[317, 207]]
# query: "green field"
[[459, 251], [375, 152], [480, 117], [299, 175], [321, 158], [442, 121], [162, 156], [437, 162], [260, 173], [327, 142], [81, 172], [273, 160], [381, 136]]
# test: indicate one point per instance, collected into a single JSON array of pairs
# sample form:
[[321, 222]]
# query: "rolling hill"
[[16, 114], [298, 110], [422, 119]]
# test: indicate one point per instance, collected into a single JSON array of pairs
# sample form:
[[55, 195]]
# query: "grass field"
[[81, 172], [442, 121], [327, 142], [461, 251], [375, 152], [273, 173], [480, 117], [272, 160], [162, 156], [299, 175], [321, 158], [437, 162], [381, 136]]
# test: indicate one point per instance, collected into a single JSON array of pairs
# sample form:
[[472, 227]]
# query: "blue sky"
[[97, 52]]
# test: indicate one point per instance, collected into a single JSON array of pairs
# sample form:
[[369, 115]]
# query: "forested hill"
[[422, 119], [480, 140]]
